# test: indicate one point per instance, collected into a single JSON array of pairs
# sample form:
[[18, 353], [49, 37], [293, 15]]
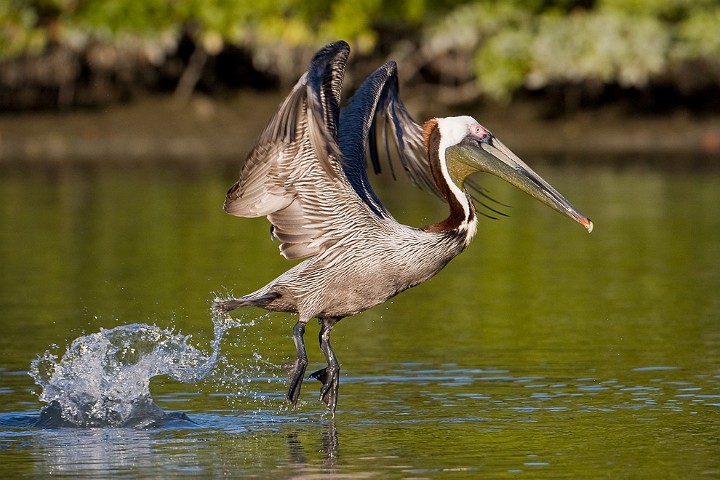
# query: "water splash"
[[103, 379], [243, 381]]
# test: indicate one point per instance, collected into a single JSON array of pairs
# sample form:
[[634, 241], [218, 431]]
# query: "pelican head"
[[468, 148]]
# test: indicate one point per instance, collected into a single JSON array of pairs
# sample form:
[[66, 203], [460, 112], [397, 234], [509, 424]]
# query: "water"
[[103, 379], [541, 352]]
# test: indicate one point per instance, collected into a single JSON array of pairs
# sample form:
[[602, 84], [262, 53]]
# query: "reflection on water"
[[180, 450], [541, 351], [471, 420], [94, 451]]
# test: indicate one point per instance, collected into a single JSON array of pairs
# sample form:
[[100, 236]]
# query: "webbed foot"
[[296, 372], [330, 378]]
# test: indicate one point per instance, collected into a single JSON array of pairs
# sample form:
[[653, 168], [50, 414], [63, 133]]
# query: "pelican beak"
[[492, 156]]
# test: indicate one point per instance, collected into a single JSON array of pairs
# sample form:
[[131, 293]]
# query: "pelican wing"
[[376, 126], [293, 175]]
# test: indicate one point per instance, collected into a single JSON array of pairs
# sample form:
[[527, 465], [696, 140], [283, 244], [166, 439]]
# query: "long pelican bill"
[[492, 156]]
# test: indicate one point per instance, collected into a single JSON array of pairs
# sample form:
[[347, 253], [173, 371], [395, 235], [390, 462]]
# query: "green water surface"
[[540, 352]]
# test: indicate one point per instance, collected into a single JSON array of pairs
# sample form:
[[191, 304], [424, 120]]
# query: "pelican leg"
[[296, 371], [330, 375]]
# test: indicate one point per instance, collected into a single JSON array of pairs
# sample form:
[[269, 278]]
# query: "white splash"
[[103, 379]]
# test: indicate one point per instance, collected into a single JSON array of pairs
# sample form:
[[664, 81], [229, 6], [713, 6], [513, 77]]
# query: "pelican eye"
[[480, 133]]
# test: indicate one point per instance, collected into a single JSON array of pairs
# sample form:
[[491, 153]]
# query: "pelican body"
[[307, 174]]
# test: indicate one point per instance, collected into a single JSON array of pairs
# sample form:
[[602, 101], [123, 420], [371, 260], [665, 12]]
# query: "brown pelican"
[[307, 175]]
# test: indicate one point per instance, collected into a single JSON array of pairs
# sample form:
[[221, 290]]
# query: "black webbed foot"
[[330, 375], [330, 378], [296, 372]]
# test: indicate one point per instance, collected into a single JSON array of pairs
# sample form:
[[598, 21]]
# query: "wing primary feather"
[[485, 205], [325, 78], [376, 128], [386, 146], [297, 156], [480, 190], [372, 147], [476, 191]]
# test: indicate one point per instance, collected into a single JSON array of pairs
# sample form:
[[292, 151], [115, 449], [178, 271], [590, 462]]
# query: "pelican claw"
[[330, 378]]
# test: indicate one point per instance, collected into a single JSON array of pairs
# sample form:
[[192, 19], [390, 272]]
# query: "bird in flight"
[[307, 174]]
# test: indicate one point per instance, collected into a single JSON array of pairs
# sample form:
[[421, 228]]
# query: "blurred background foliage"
[[475, 49]]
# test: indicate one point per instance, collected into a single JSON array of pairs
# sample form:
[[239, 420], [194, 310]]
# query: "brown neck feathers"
[[432, 135]]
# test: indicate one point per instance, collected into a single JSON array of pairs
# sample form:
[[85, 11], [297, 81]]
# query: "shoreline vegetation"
[[63, 54], [121, 79]]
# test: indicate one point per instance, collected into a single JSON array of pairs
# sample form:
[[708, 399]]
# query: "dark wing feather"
[[295, 163], [375, 124]]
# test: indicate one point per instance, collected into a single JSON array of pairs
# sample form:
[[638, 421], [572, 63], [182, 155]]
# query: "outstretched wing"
[[376, 126], [293, 174]]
